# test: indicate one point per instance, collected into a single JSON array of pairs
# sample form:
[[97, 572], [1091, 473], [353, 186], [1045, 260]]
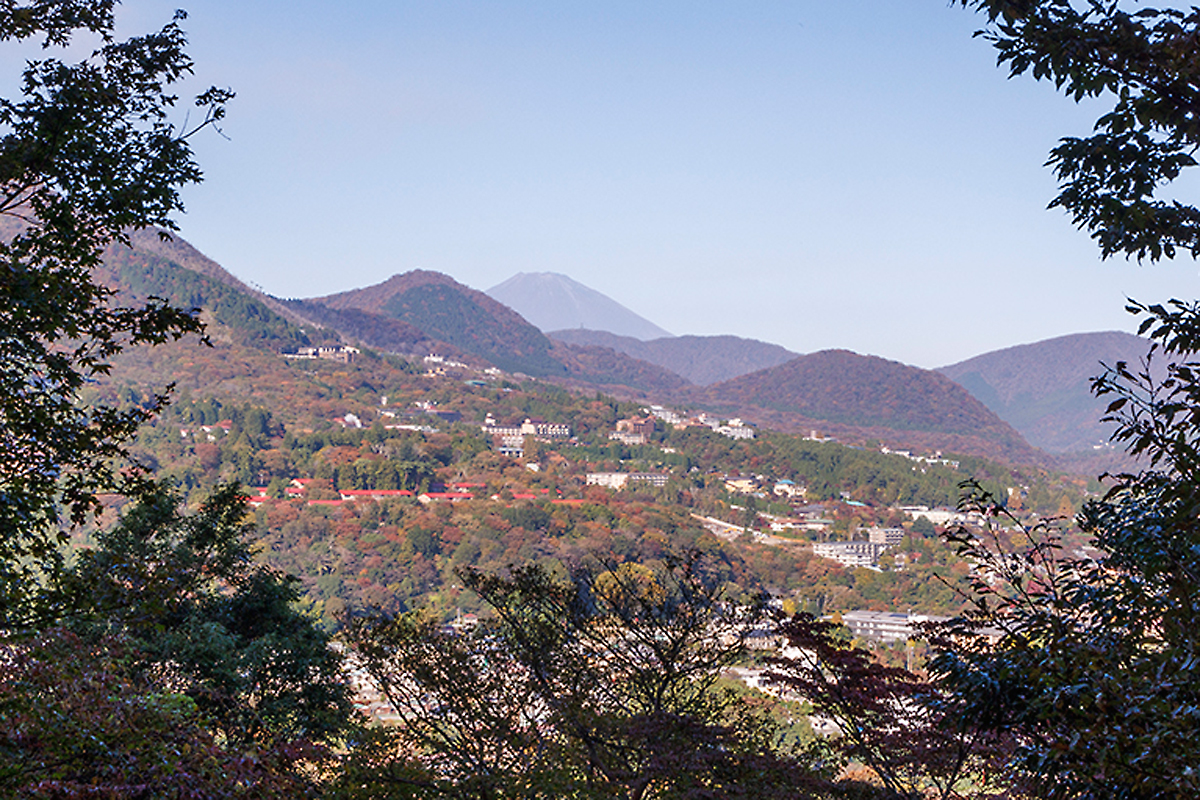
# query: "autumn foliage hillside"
[[885, 399], [1044, 389]]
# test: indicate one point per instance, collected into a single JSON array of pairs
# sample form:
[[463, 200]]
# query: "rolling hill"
[[845, 393], [443, 308], [604, 368], [853, 397], [437, 307], [1044, 389]]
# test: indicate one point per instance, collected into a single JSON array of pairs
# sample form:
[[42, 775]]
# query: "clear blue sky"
[[853, 174]]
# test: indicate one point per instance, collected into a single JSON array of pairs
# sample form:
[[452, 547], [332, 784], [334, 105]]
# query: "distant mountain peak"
[[552, 301]]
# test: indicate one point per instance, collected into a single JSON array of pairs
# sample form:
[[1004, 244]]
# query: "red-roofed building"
[[373, 494], [530, 495], [453, 497]]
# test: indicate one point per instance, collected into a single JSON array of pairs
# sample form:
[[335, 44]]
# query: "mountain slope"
[[377, 331], [1044, 389], [876, 397], [175, 270], [603, 367], [242, 312], [181, 253], [443, 308], [700, 359], [552, 301]]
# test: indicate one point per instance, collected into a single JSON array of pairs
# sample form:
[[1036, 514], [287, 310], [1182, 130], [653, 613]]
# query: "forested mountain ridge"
[[879, 398], [151, 268], [291, 427], [700, 359], [137, 274], [380, 332], [472, 322], [605, 367], [855, 398], [1043, 389], [445, 309], [177, 250]]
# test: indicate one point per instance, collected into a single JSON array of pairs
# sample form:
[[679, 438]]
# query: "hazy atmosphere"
[[819, 175]]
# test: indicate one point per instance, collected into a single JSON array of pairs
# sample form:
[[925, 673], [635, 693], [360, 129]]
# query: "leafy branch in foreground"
[[86, 153], [1144, 60], [893, 721], [1091, 664], [600, 685]]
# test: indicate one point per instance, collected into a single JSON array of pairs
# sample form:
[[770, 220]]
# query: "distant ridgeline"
[[146, 274]]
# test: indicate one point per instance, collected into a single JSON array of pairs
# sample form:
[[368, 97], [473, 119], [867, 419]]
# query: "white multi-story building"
[[886, 536], [735, 431], [619, 480], [530, 427], [850, 554], [885, 626]]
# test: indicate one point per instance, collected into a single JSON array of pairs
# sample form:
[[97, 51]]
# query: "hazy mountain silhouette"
[[1044, 389], [700, 359], [552, 302]]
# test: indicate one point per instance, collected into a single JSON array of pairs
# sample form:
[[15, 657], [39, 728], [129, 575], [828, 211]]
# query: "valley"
[[389, 437]]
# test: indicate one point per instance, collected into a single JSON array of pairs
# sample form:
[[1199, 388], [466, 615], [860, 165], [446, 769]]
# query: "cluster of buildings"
[[861, 553], [297, 489], [942, 516], [758, 486], [344, 354], [619, 480], [510, 437], [734, 428], [209, 431], [814, 519], [437, 365], [635, 430], [886, 626], [933, 461]]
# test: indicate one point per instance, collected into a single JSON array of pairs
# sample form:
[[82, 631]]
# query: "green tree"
[[78, 720], [1144, 59], [603, 685], [186, 592], [1091, 664], [87, 152], [1095, 670]]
